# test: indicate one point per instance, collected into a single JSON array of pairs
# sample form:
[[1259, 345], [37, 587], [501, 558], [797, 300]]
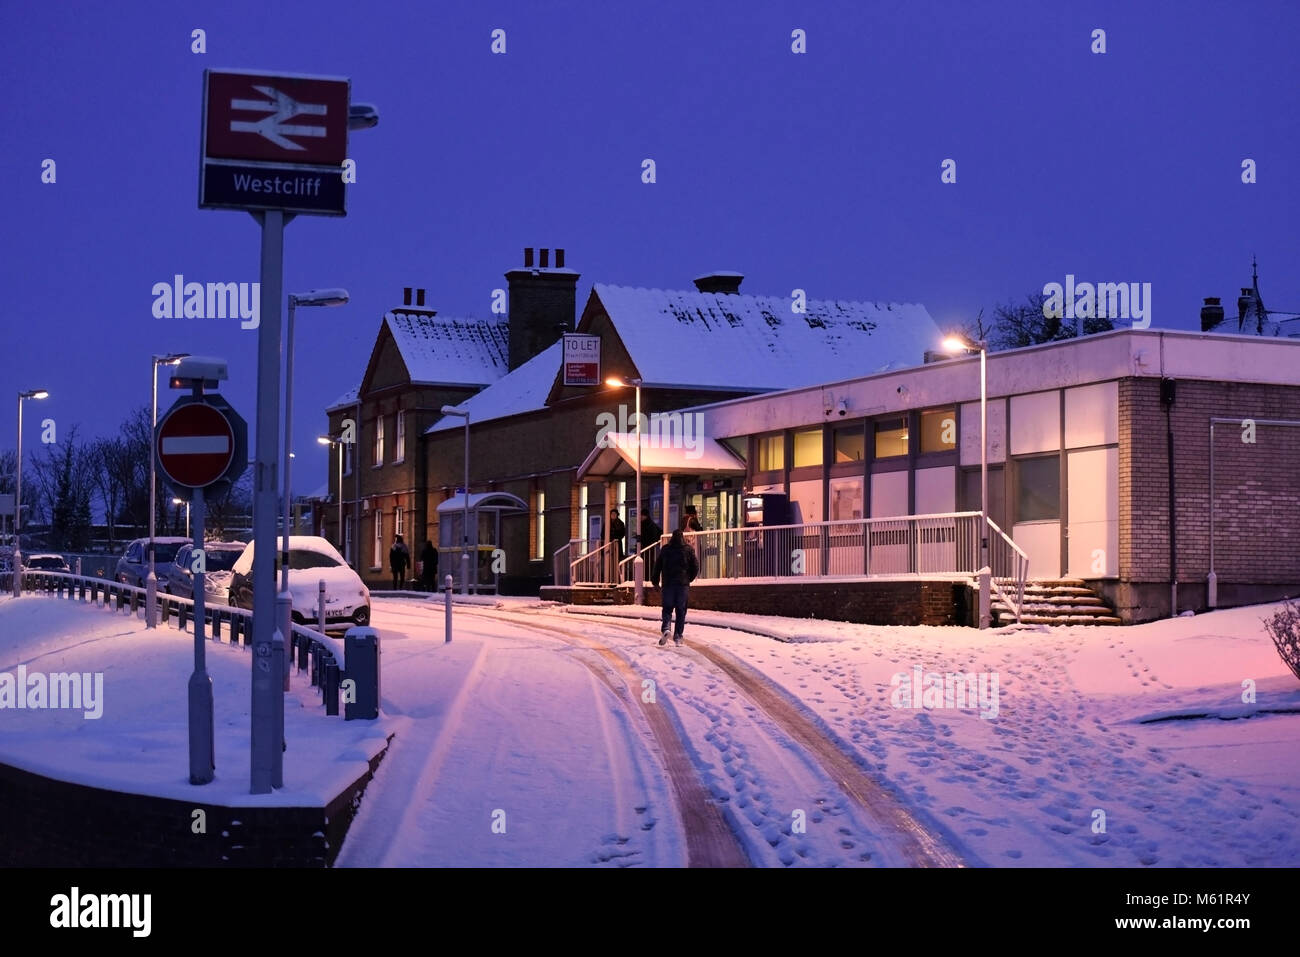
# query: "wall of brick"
[[49, 823], [1256, 495]]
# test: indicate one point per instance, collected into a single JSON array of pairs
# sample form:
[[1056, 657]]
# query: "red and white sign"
[[196, 444], [276, 119]]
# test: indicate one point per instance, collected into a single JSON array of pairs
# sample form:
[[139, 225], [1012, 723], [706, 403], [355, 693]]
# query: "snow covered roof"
[[616, 455], [523, 390], [344, 401], [484, 500], [444, 350], [735, 341]]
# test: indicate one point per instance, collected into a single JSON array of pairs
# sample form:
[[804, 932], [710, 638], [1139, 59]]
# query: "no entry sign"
[[196, 444]]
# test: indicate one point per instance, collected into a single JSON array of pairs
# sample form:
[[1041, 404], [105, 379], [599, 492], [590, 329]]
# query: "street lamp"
[[317, 297], [956, 343], [464, 546], [638, 563], [18, 492], [328, 440], [181, 501], [151, 581]]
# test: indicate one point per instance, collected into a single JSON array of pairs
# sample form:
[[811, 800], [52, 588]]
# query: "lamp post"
[[151, 580], [956, 343], [638, 563], [464, 547], [18, 492], [317, 297], [181, 501], [330, 440]]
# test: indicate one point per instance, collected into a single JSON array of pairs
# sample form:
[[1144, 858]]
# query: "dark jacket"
[[676, 565], [650, 532], [617, 532], [429, 557], [399, 556]]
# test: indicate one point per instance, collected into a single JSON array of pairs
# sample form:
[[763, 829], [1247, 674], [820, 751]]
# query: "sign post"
[[201, 443], [274, 145]]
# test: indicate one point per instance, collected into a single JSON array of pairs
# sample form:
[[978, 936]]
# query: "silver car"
[[176, 578]]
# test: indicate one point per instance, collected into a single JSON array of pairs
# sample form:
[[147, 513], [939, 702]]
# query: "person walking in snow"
[[617, 532], [399, 558], [429, 566], [676, 567]]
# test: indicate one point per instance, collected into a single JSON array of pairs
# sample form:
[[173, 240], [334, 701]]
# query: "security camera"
[[843, 407], [902, 390], [827, 403], [206, 368]]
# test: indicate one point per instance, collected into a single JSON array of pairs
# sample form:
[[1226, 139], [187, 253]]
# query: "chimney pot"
[[727, 283], [544, 257], [406, 295], [559, 259], [419, 297], [528, 257], [1211, 313]]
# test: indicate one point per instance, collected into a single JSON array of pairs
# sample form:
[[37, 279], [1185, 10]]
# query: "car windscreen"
[[300, 558], [45, 563], [222, 559], [164, 553]]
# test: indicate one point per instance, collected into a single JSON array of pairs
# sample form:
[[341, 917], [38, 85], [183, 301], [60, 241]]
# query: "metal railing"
[[1010, 567], [564, 557], [913, 546], [648, 555], [322, 653]]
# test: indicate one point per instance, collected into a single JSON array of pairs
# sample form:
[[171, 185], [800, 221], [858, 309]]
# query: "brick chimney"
[[726, 283], [1211, 313], [543, 304]]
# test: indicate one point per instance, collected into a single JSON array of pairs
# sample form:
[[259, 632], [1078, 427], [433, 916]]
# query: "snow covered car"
[[133, 567], [46, 562], [347, 600], [218, 558]]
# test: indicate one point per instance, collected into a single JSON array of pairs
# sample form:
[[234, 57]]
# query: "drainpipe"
[[1167, 397]]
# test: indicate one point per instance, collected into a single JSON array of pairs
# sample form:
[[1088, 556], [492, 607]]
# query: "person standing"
[[429, 566], [676, 567], [690, 520], [399, 558], [617, 532], [650, 534]]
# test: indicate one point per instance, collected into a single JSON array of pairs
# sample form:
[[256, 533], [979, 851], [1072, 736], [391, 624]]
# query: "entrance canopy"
[[481, 501], [615, 457]]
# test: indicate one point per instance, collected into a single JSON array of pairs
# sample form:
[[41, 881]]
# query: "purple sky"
[[818, 171]]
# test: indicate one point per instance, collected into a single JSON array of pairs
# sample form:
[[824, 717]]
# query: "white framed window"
[[379, 440], [539, 525], [378, 561], [399, 453], [347, 540], [398, 526]]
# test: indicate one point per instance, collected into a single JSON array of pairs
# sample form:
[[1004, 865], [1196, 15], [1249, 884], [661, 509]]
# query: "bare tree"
[[1018, 324]]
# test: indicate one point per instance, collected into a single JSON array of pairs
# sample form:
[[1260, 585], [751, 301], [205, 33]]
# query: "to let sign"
[[274, 141], [581, 359]]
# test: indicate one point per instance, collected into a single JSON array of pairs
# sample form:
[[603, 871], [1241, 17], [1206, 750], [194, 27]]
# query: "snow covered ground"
[[542, 736], [140, 743]]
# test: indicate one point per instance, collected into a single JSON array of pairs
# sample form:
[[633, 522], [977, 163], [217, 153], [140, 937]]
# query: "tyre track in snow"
[[892, 821], [710, 841]]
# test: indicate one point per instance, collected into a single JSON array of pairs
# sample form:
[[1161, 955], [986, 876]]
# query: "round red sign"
[[195, 445]]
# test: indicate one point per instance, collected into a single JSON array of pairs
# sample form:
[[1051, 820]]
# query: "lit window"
[[939, 430], [891, 438], [771, 453], [379, 440], [399, 454], [846, 499], [378, 561], [398, 528], [850, 444], [539, 525], [808, 448]]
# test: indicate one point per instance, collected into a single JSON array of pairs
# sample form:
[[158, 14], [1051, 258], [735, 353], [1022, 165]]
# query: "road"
[[540, 738]]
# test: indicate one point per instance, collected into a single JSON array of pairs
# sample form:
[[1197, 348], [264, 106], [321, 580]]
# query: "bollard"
[[303, 645], [447, 586], [985, 575], [135, 602], [331, 686], [120, 599], [166, 607], [236, 621], [361, 660], [182, 614], [216, 625]]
